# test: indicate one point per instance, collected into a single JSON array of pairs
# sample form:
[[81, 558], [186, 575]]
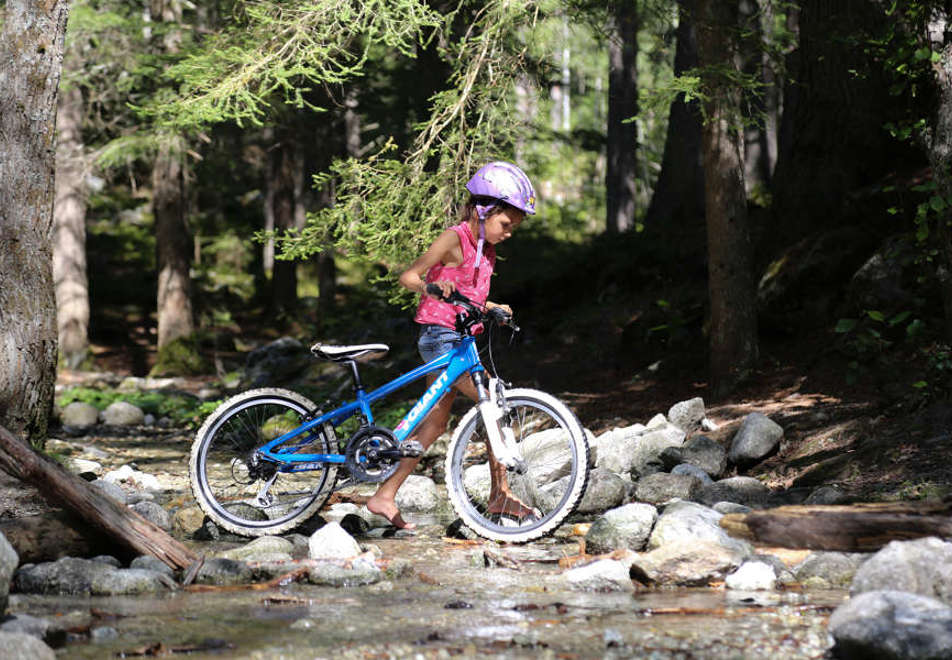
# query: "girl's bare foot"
[[508, 504], [388, 509]]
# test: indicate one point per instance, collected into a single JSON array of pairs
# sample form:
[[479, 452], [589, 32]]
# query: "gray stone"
[[615, 449], [600, 575], [752, 576], [892, 625], [625, 527], [133, 478], [154, 564], [26, 624], [687, 415], [224, 571], [684, 523], [8, 564], [693, 563], [154, 514], [741, 490], [357, 572], [605, 490], [261, 549], [922, 566], [706, 454], [731, 507], [332, 542], [693, 471], [122, 413], [647, 455], [825, 570], [79, 415], [129, 581], [83, 466], [756, 438], [662, 487], [19, 646], [65, 576], [418, 493]]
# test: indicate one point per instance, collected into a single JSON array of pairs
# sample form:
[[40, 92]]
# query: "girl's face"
[[501, 224]]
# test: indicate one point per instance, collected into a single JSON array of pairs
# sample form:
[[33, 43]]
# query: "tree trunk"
[[62, 488], [622, 137], [854, 528], [69, 233], [676, 211], [281, 175], [832, 139], [756, 149], [732, 292], [172, 242], [31, 49], [938, 139]]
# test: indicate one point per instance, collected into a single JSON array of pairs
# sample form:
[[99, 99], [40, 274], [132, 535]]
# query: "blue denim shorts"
[[436, 340]]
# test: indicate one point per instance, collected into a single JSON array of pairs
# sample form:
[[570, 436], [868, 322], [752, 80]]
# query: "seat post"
[[358, 386]]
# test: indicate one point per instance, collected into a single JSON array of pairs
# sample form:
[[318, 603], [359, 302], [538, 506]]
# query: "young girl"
[[460, 259]]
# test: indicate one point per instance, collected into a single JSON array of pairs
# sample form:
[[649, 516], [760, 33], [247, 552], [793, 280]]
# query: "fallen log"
[[64, 489], [845, 528]]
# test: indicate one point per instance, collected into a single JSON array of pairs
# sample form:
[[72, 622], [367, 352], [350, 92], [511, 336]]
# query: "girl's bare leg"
[[433, 425]]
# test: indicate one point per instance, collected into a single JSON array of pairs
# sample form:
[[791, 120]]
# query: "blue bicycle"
[[267, 459]]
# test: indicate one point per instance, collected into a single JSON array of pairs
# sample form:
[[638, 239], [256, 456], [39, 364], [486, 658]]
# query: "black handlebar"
[[497, 315]]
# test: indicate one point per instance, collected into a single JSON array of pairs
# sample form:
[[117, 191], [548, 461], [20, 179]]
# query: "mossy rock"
[[181, 357]]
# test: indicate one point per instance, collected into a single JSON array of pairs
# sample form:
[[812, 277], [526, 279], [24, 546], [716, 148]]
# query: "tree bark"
[[31, 49], [732, 291], [854, 528], [173, 244], [62, 488], [756, 149], [69, 234], [281, 177], [622, 137], [676, 211]]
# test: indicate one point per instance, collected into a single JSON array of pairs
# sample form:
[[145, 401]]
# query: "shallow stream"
[[450, 604]]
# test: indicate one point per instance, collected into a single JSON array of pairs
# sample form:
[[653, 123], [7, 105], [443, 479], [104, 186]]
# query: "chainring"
[[361, 454]]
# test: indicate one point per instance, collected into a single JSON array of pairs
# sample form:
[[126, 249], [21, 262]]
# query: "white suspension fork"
[[502, 440]]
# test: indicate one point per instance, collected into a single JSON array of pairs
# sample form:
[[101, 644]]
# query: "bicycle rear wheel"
[[555, 450], [252, 497]]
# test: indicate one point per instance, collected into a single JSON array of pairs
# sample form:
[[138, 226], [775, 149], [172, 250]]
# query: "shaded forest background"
[[726, 188]]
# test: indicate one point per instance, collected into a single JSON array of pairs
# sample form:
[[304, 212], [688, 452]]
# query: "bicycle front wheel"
[[245, 494], [519, 507]]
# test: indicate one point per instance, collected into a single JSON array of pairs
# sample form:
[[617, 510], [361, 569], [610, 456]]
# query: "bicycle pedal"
[[411, 449]]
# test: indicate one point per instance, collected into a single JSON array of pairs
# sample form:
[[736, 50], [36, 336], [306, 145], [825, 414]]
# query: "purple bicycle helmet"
[[505, 182]]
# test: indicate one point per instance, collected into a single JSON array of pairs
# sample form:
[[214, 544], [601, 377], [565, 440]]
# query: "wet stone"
[[224, 571], [360, 571], [601, 575], [18, 646]]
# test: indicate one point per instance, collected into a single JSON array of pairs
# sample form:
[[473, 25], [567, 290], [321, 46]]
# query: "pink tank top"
[[470, 280]]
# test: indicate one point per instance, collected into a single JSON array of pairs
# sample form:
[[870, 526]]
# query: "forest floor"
[[862, 437]]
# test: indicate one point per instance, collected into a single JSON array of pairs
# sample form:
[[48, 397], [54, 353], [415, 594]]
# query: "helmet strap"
[[479, 249]]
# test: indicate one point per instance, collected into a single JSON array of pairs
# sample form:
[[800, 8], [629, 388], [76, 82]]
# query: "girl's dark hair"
[[466, 211]]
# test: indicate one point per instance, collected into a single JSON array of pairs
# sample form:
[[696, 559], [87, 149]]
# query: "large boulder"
[[687, 415], [687, 523], [661, 487], [892, 625], [740, 490], [79, 414], [8, 564], [122, 413], [627, 526], [700, 451], [332, 542], [922, 566], [757, 437], [691, 562], [419, 493]]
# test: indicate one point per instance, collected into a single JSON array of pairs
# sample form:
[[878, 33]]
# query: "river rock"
[[694, 563], [752, 576], [220, 571], [126, 474], [922, 566], [80, 415], [154, 564], [825, 570], [627, 526], [756, 438], [831, 494], [687, 415], [33, 626], [75, 576], [741, 490], [111, 490], [601, 575], [891, 624], [684, 523], [605, 490], [647, 455], [19, 646], [615, 449], [661, 487], [8, 564], [418, 493], [332, 542], [701, 451], [693, 471], [261, 549], [187, 520], [154, 513], [359, 571], [83, 466], [277, 362], [122, 413]]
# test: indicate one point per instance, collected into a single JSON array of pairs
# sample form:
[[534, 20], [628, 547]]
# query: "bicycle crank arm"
[[407, 449]]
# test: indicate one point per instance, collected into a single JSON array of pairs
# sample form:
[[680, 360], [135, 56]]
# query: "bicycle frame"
[[464, 359]]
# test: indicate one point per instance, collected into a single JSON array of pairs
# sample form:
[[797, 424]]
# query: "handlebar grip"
[[454, 297]]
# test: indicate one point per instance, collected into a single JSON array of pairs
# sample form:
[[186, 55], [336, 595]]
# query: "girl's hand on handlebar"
[[441, 290]]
